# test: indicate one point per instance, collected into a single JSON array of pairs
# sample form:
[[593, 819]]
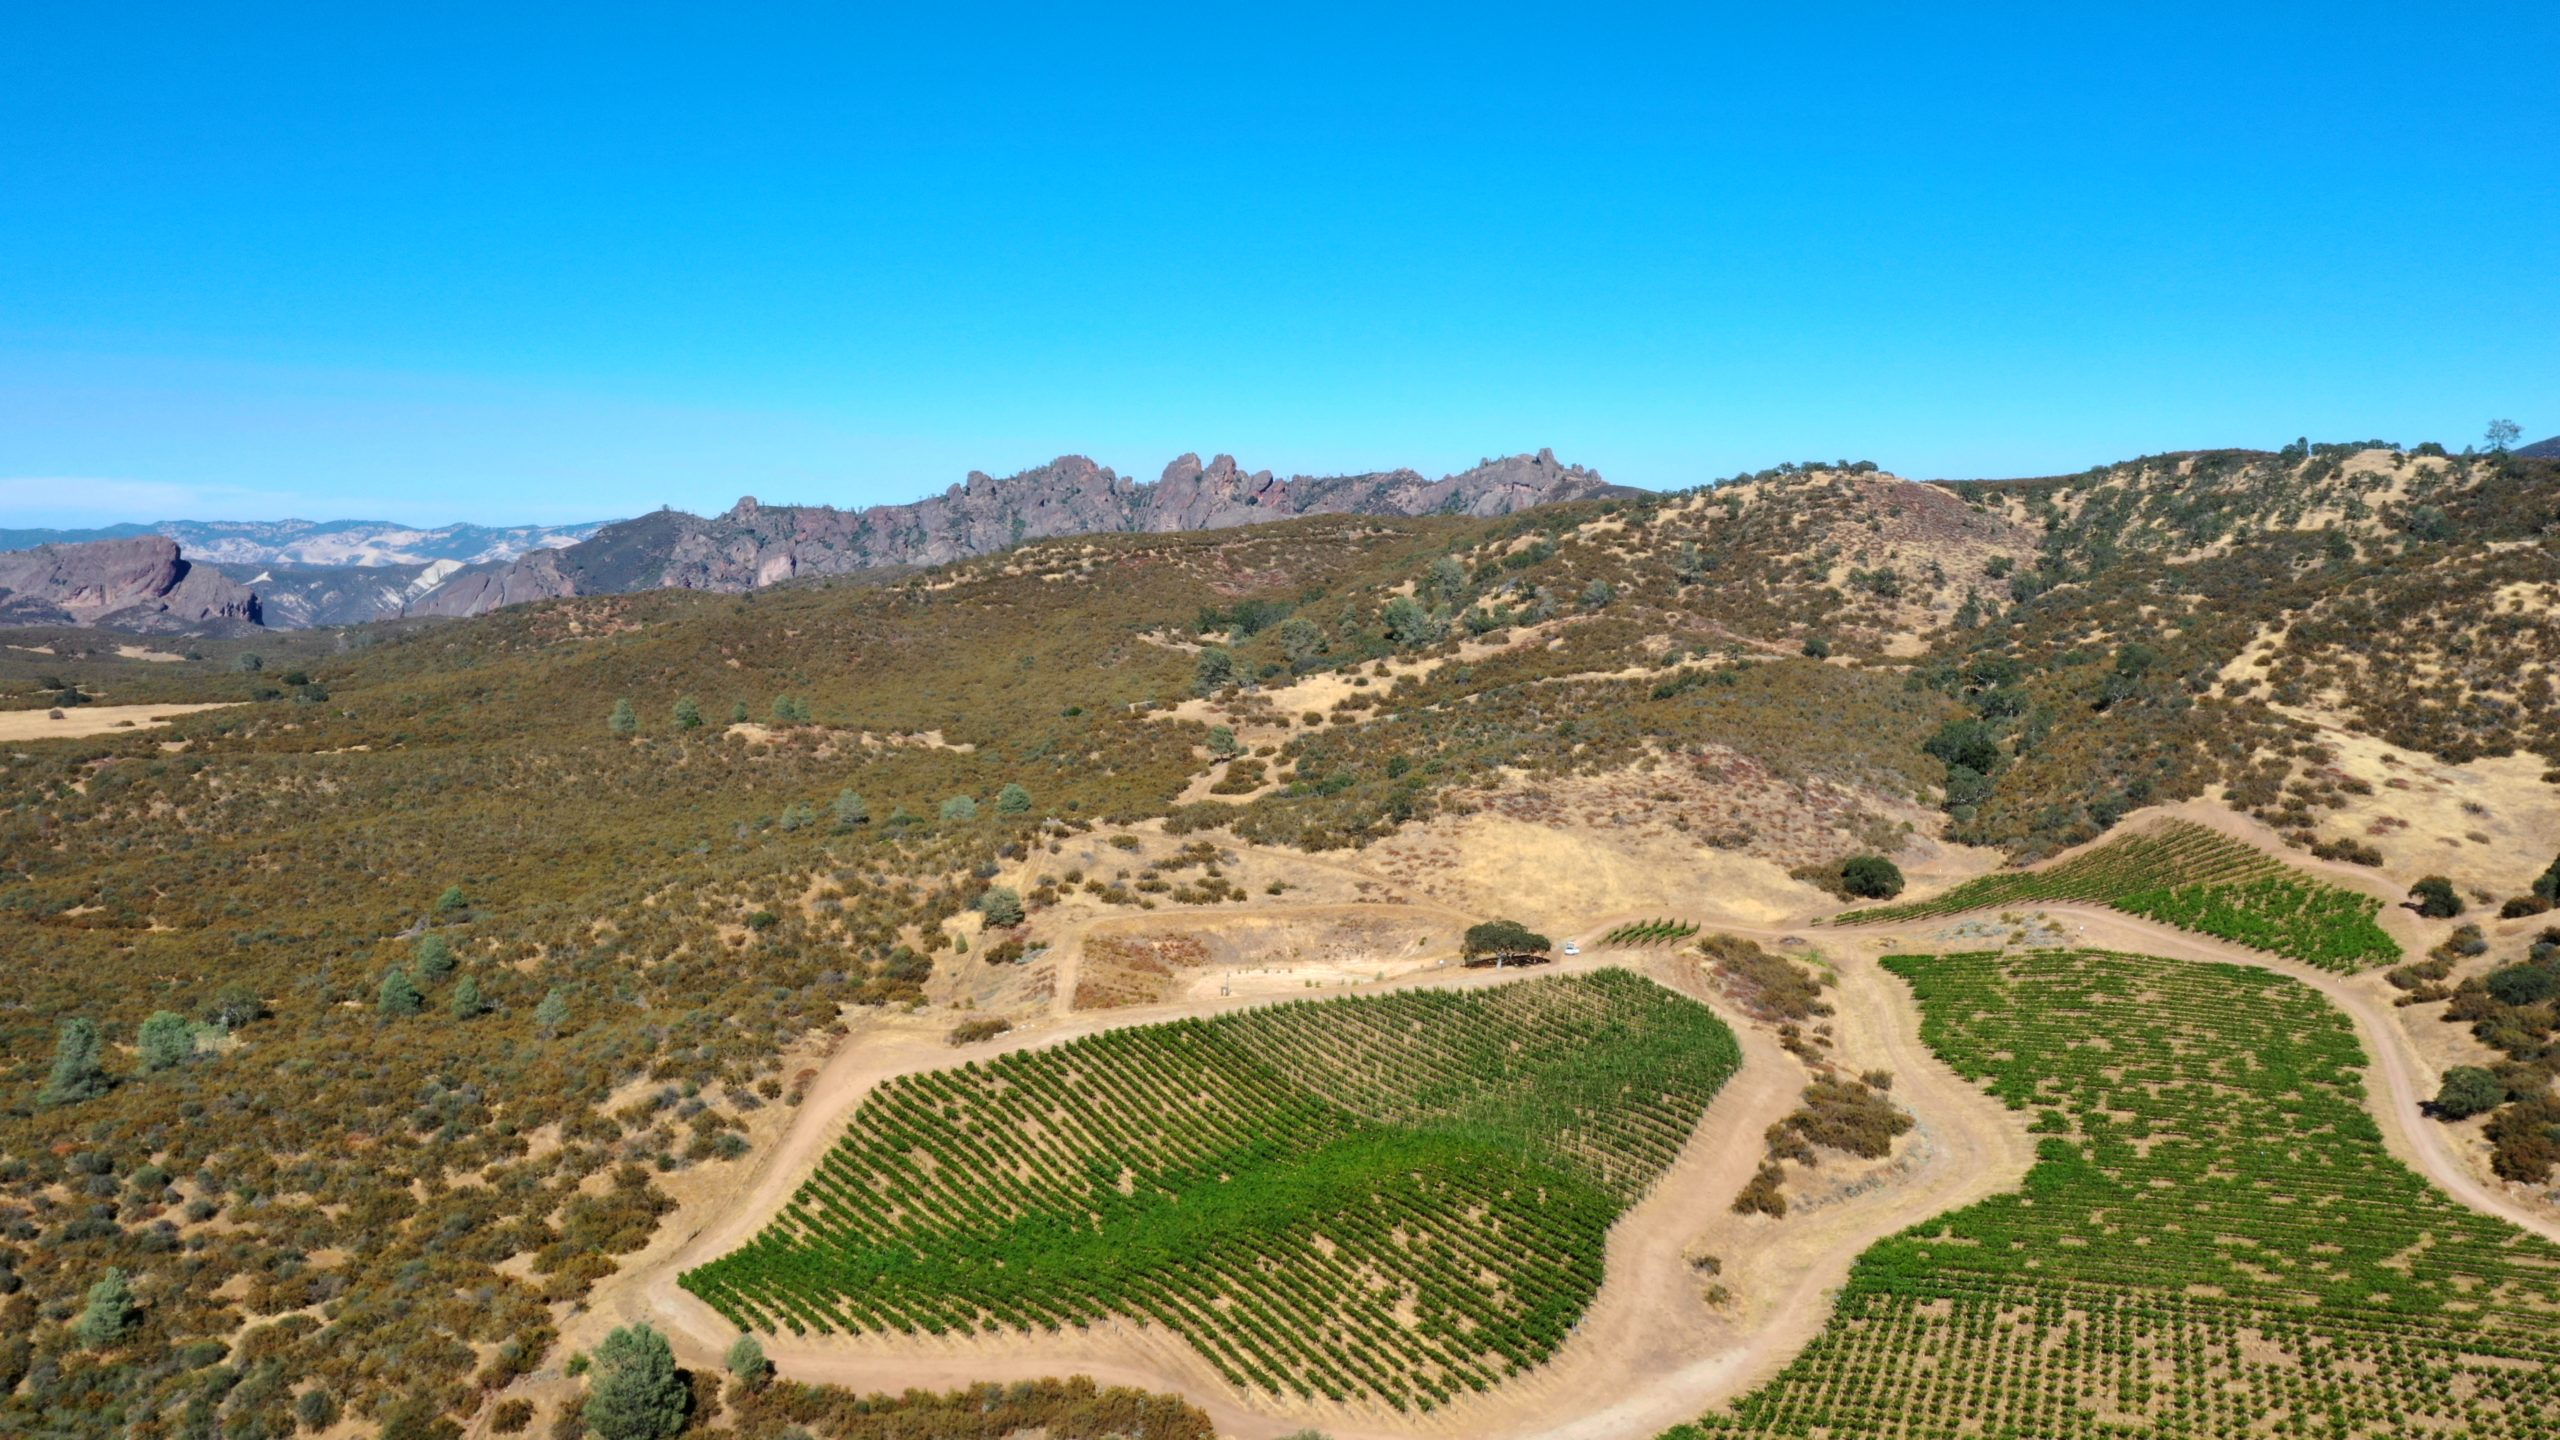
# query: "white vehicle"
[[1572, 949]]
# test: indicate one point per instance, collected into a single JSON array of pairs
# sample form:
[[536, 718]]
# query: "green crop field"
[[2213, 1241], [1650, 932], [2184, 874], [1396, 1198]]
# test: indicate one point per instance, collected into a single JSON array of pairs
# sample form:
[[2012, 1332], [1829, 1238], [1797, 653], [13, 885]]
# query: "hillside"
[[497, 953]]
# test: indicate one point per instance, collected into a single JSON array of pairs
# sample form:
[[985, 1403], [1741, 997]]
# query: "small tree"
[[76, 1073], [467, 1003], [1013, 800], [1002, 906], [235, 1005], [1301, 641], [1214, 671], [1223, 744], [790, 710], [637, 1393], [1503, 937], [738, 712], [397, 995], [167, 1039], [1408, 624], [959, 807], [451, 900], [2469, 1090], [624, 720], [850, 811], [250, 664], [551, 1014], [1870, 877], [2435, 898], [433, 957], [1598, 595], [688, 714], [2503, 434], [747, 1362], [110, 1313]]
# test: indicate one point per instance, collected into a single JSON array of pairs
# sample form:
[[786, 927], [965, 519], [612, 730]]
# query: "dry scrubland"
[[468, 975]]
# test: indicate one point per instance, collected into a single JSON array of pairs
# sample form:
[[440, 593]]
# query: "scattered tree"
[[451, 900], [624, 720], [551, 1014], [398, 996], [235, 1005], [959, 807], [1002, 906], [1214, 671], [1598, 594], [688, 714], [1504, 938], [433, 957], [110, 1314], [1223, 744], [637, 1393], [76, 1073], [1408, 624], [747, 1362], [2436, 898], [1301, 641], [1013, 800], [738, 712], [167, 1039], [850, 811], [2503, 434], [1870, 877], [250, 664], [467, 1003]]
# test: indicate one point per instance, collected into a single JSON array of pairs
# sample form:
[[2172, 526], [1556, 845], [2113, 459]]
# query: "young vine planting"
[[2193, 877], [1650, 932], [1394, 1198], [2213, 1241]]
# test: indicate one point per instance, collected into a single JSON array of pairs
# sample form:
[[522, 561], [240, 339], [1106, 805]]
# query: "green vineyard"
[[1650, 932], [2213, 1241], [2193, 877], [1400, 1197]]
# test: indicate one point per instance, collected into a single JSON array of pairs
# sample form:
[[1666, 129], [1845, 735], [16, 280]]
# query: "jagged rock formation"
[[138, 583], [753, 545]]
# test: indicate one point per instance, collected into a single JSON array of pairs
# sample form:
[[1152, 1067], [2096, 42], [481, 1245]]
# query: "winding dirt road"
[[1650, 1352]]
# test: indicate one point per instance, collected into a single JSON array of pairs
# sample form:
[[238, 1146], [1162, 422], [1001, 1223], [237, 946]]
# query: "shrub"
[[624, 720], [1870, 877], [2529, 984], [2435, 898], [746, 1361], [2468, 1090], [1214, 671]]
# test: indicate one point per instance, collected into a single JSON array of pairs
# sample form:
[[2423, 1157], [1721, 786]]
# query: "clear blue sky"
[[408, 263]]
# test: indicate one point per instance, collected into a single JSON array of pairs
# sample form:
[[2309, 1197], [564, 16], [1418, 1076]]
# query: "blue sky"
[[436, 266]]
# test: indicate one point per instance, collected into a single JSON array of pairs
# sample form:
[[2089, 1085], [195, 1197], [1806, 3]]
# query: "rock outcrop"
[[753, 545], [136, 583]]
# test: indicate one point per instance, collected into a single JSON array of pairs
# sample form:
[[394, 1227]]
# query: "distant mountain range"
[[298, 573], [2542, 449], [323, 542]]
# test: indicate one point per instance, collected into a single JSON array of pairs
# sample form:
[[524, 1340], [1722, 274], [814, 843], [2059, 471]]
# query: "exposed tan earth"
[[89, 720], [1659, 1345]]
